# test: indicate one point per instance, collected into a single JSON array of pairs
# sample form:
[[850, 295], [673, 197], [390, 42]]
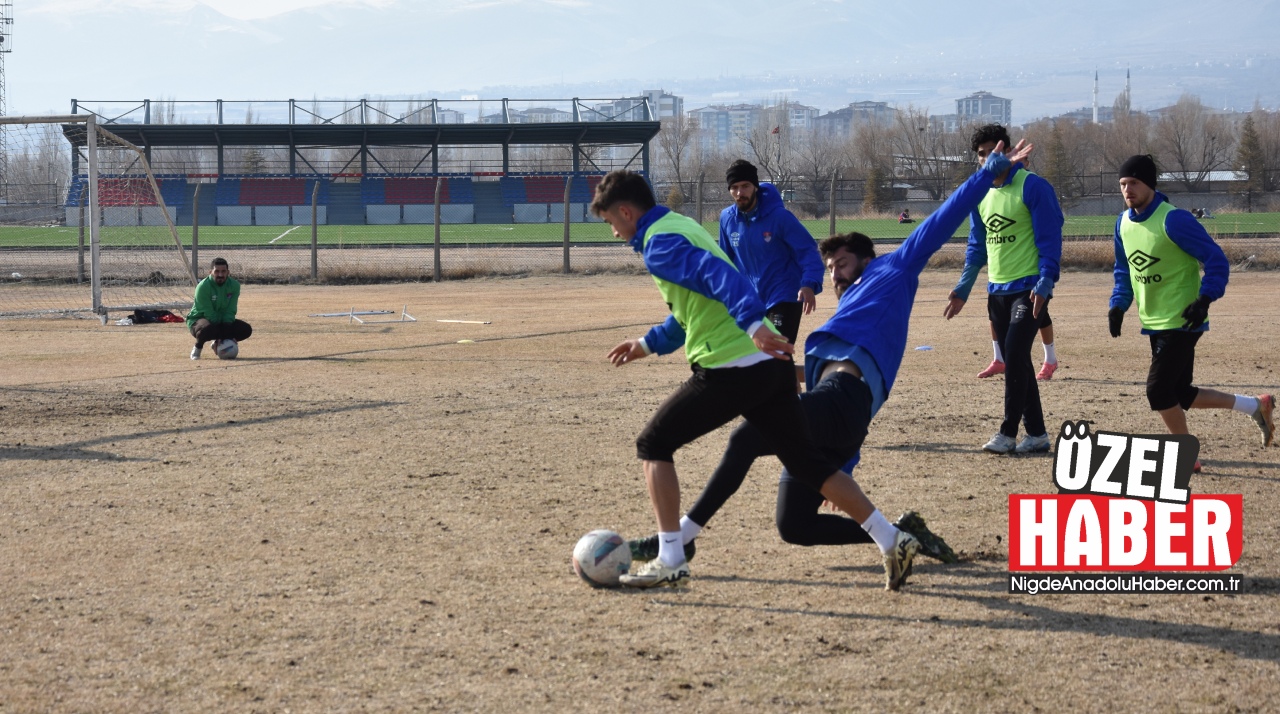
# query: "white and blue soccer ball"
[[226, 349], [600, 557]]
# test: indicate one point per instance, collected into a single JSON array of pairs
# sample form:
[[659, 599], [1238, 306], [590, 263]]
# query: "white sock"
[[1050, 354], [995, 346], [688, 529], [670, 549], [1248, 405], [881, 530]]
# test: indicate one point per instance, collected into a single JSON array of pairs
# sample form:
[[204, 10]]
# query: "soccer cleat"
[[897, 562], [1033, 444], [931, 544], [654, 574], [1000, 444], [996, 367], [1263, 416], [646, 549], [1046, 371], [195, 351]]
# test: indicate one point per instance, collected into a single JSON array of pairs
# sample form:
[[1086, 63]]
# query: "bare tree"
[[769, 142], [677, 142], [819, 156], [1192, 142], [929, 157]]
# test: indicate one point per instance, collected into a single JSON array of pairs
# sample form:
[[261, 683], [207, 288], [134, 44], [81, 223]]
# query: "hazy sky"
[[824, 52]]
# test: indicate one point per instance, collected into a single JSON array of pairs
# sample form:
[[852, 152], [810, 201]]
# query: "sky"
[[825, 53]]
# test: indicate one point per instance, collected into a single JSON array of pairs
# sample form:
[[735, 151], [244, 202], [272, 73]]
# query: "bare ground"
[[379, 518]]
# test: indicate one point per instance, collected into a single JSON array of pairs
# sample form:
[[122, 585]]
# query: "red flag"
[[775, 130]]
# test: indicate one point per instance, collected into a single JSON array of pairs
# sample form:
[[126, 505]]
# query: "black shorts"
[[764, 394], [1173, 358], [786, 317]]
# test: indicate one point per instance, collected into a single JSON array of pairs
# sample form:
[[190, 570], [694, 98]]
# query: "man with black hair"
[[741, 367], [1016, 231], [770, 246], [1159, 253], [213, 312], [851, 363]]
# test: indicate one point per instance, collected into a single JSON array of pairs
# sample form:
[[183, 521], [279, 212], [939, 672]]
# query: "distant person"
[[213, 314], [1017, 233], [1197, 212], [1159, 253], [905, 216], [770, 246]]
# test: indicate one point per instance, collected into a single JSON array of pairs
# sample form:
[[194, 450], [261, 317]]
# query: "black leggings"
[[205, 331], [838, 411], [786, 317], [763, 393], [1016, 330]]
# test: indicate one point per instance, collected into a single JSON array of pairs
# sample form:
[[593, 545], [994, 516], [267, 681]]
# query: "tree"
[[930, 157], [877, 192], [769, 142], [676, 143], [1250, 157], [1192, 142]]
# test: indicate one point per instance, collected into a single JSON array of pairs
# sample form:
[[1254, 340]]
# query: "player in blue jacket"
[[770, 246], [851, 363], [738, 370]]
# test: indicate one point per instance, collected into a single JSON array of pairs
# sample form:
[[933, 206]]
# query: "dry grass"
[[380, 518]]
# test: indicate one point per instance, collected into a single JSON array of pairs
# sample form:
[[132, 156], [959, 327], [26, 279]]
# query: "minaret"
[[1127, 96], [1095, 96]]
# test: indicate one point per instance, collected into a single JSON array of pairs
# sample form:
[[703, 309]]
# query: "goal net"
[[86, 228]]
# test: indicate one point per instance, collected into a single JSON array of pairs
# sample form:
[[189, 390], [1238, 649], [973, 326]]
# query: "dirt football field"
[[380, 518]]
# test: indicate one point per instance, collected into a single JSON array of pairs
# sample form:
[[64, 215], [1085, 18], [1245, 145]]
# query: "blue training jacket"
[[873, 313], [1046, 224], [1186, 233], [772, 248], [673, 258]]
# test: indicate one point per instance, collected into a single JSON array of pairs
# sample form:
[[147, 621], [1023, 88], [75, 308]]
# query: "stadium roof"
[[565, 133]]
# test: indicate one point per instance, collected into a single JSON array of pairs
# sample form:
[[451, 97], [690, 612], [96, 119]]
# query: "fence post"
[[195, 234], [315, 231], [568, 185], [435, 270], [831, 202], [84, 195], [702, 176]]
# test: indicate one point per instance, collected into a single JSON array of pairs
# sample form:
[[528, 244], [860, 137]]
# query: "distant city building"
[[724, 126], [449, 116], [661, 106], [840, 123], [800, 116], [1084, 115], [949, 122], [985, 107]]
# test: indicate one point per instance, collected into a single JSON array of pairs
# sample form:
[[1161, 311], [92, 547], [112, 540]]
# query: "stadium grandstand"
[[374, 163]]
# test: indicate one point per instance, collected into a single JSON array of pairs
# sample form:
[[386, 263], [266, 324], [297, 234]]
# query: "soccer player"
[[851, 363], [770, 246], [213, 314], [1159, 251], [1017, 232], [741, 367]]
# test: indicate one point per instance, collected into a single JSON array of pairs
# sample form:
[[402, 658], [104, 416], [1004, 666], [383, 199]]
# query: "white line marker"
[[273, 240]]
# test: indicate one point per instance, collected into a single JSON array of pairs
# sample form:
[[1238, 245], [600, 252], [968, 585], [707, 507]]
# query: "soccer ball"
[[226, 349], [600, 557]]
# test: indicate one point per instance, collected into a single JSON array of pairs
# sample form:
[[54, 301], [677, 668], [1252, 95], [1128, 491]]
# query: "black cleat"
[[645, 549], [931, 544]]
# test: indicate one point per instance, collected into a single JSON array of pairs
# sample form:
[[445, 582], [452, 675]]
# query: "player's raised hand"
[[772, 344], [628, 351], [1021, 151]]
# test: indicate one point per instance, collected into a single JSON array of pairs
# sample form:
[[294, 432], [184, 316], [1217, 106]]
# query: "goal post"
[[69, 178]]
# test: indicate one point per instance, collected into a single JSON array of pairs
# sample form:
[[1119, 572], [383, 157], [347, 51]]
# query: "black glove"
[[1196, 313], [1115, 317]]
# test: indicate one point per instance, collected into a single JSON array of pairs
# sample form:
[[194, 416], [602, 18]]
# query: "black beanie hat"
[[742, 170], [1141, 167]]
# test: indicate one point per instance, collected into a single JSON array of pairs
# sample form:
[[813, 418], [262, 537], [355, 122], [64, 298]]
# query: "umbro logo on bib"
[[997, 223], [1141, 261]]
